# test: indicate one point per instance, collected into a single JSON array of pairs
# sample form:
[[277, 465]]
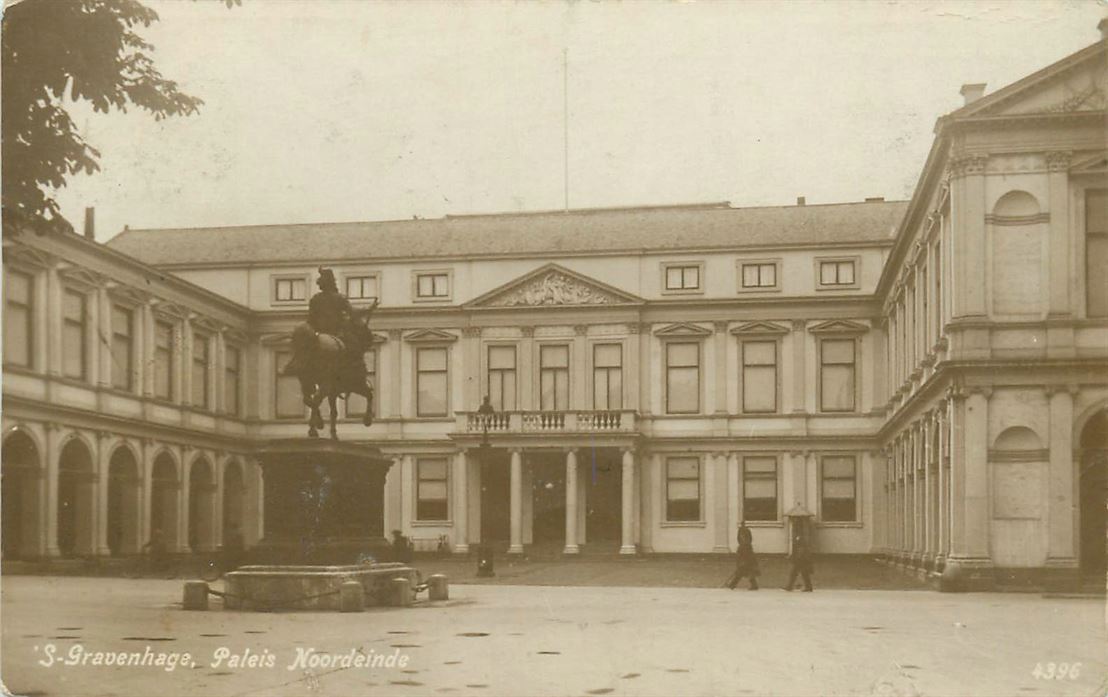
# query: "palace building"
[[923, 380]]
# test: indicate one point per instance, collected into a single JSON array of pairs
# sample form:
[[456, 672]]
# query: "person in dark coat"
[[746, 563], [801, 558], [401, 547]]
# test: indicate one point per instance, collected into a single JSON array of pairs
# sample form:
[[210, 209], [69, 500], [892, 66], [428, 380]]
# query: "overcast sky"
[[340, 111]]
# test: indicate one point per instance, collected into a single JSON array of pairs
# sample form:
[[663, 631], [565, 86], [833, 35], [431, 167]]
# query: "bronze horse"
[[333, 367]]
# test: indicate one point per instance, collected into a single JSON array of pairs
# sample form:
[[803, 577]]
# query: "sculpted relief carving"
[[554, 288]]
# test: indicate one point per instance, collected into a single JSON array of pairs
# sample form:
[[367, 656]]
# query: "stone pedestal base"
[[268, 588], [966, 574]]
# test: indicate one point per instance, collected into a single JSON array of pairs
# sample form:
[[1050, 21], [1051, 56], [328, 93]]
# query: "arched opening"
[[1018, 465], [1094, 494], [76, 478], [163, 500], [123, 503], [233, 494], [19, 487], [201, 501], [1017, 250]]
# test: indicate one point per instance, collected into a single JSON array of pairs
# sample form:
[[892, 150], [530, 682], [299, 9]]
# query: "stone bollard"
[[351, 597], [437, 588], [196, 595], [402, 592]]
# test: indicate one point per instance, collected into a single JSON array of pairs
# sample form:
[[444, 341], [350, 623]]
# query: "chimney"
[[90, 224], [800, 201], [972, 92], [874, 199], [1102, 25]]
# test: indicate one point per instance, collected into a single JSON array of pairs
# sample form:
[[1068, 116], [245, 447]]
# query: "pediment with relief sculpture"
[[1074, 85], [553, 285]]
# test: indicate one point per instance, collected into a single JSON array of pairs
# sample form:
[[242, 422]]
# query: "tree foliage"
[[75, 50]]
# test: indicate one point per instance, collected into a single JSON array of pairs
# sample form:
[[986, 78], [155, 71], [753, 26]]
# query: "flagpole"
[[565, 124]]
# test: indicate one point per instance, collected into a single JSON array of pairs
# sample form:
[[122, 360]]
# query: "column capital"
[[968, 164], [527, 330], [984, 390], [515, 451], [633, 327], [1058, 160], [580, 329], [394, 334], [799, 325], [570, 449], [627, 449], [470, 332], [799, 453], [720, 325]]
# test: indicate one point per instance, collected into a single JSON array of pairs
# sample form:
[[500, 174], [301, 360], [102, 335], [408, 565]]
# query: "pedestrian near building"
[[801, 558], [746, 563]]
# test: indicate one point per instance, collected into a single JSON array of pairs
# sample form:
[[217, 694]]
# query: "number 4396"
[[1056, 671]]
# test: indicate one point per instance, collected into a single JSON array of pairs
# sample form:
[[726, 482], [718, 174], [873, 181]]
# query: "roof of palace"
[[660, 228]]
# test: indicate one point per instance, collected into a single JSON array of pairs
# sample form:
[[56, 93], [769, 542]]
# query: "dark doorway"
[[163, 501], [602, 471], [123, 502], [495, 497], [548, 499], [19, 488], [1094, 494], [75, 478]]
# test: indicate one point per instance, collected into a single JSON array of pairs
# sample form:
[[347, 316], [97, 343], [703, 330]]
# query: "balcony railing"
[[573, 421]]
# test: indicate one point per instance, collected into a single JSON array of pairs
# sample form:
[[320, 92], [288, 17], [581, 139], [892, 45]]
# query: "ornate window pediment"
[[682, 330], [170, 310], [30, 257], [127, 295], [553, 285], [429, 336], [839, 326], [1097, 164], [760, 328], [80, 277]]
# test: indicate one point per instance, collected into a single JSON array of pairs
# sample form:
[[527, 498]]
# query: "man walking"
[[801, 558], [746, 564]]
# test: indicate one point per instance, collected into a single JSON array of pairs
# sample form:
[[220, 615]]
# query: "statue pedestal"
[[324, 503]]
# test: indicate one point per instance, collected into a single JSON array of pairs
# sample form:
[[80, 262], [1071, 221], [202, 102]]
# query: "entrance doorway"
[[548, 499], [495, 497], [603, 474], [1094, 494], [123, 503], [75, 505]]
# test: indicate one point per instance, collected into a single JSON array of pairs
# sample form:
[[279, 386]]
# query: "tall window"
[[838, 489], [682, 489], [431, 488], [163, 360], [607, 376], [937, 279], [433, 285], [123, 365], [361, 287], [231, 369], [286, 389], [682, 378], [683, 277], [837, 381], [356, 404], [554, 378], [290, 289], [74, 326], [760, 487], [1096, 252], [759, 376], [759, 275], [836, 273], [502, 377], [431, 381], [18, 318], [200, 347], [924, 317]]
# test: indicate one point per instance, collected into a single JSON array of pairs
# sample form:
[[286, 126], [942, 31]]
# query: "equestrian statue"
[[328, 353]]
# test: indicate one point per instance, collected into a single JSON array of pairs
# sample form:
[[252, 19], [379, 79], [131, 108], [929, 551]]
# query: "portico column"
[[100, 497], [929, 490], [516, 544], [627, 491], [968, 566], [943, 466], [571, 502], [461, 503], [183, 494], [219, 465]]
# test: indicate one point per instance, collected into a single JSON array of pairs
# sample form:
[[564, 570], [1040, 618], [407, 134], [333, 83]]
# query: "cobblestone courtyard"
[[513, 639]]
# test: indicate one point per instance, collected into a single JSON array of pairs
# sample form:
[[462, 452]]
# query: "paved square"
[[511, 640]]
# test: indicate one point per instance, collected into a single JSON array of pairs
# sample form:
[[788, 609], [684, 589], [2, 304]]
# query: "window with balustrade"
[[502, 377], [554, 377], [607, 376]]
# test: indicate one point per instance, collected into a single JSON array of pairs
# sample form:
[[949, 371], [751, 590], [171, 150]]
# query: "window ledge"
[[765, 524], [831, 524], [760, 289], [432, 523], [683, 524]]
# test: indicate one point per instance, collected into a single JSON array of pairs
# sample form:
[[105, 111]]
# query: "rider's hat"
[[326, 277]]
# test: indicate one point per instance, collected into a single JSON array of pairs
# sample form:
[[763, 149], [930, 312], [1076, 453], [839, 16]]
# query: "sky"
[[320, 111]]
